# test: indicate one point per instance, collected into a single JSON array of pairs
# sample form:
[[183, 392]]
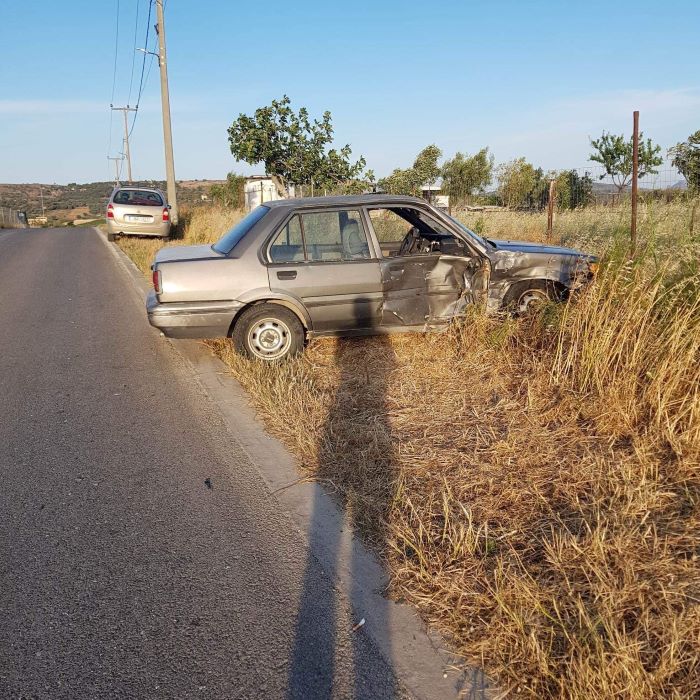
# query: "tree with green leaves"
[[229, 193], [686, 157], [293, 147], [517, 182], [424, 171], [573, 191], [615, 154], [464, 175]]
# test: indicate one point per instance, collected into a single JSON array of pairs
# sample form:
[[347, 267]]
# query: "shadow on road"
[[355, 451]]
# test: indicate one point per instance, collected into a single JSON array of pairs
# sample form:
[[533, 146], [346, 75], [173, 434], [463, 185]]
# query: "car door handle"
[[287, 275]]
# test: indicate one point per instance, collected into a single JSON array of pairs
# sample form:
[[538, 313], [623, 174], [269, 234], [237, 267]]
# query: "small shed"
[[259, 189], [432, 192]]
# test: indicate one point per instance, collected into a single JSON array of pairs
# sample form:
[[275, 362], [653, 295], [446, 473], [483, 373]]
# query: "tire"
[[111, 237], [268, 332], [524, 297]]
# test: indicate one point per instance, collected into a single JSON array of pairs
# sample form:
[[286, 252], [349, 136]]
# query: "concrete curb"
[[417, 655]]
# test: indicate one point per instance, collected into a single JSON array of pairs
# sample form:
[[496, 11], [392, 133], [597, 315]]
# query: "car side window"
[[390, 229], [288, 245], [333, 236], [408, 231]]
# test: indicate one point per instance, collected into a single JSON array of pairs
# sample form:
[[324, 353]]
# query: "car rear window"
[[231, 239], [142, 198]]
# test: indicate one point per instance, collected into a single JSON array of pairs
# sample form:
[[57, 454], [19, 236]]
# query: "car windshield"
[[142, 198], [231, 239], [484, 241]]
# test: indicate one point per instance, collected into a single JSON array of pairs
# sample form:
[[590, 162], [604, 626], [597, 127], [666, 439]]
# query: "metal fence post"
[[635, 177]]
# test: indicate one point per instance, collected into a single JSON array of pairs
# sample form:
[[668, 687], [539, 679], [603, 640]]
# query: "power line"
[[143, 65], [116, 52], [133, 55]]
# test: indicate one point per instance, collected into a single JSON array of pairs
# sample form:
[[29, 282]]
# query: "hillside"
[[67, 202]]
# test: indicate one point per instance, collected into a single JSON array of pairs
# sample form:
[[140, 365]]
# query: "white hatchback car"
[[137, 211]]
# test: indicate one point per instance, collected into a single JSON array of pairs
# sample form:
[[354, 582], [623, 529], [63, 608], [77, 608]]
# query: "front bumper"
[[192, 319]]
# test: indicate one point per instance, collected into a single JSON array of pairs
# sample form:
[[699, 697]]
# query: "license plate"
[[135, 217]]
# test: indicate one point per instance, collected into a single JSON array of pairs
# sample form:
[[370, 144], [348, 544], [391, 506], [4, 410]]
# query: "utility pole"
[[125, 111], [116, 168], [165, 104]]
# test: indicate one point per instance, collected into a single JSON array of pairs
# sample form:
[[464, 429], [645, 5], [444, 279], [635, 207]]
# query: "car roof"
[[355, 200]]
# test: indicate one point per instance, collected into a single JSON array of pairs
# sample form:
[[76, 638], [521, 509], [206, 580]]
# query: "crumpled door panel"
[[426, 290]]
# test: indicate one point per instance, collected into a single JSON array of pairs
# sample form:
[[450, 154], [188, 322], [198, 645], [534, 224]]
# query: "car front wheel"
[[524, 297], [268, 332]]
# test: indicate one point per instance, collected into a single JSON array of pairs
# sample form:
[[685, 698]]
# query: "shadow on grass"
[[357, 461]]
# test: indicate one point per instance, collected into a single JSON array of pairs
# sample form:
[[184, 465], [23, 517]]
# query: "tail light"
[[156, 281], [166, 214], [110, 211]]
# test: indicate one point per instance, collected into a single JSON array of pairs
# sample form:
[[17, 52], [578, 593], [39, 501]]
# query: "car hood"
[[177, 253], [536, 248]]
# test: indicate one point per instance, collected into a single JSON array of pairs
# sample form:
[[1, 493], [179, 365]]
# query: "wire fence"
[[574, 188], [10, 218]]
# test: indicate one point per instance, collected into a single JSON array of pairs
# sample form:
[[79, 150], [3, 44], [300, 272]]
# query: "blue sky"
[[532, 79]]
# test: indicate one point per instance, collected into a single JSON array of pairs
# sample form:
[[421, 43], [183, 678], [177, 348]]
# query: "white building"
[[259, 189], [431, 192]]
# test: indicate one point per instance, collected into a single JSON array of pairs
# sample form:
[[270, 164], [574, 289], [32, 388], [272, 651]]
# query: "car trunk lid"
[[178, 253]]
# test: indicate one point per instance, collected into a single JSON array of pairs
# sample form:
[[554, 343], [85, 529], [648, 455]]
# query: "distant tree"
[[686, 157], [425, 170], [464, 175], [573, 190], [229, 193], [401, 181], [355, 185], [293, 147], [517, 181], [426, 166], [614, 153]]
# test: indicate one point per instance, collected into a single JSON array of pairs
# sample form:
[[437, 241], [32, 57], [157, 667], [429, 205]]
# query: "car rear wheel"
[[268, 332], [111, 237], [525, 297]]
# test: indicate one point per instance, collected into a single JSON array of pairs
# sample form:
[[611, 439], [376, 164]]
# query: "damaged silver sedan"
[[295, 269]]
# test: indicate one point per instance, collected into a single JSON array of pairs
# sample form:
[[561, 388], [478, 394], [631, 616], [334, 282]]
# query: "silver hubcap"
[[531, 299], [269, 338]]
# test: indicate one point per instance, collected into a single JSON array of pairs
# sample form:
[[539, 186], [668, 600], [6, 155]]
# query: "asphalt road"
[[123, 574]]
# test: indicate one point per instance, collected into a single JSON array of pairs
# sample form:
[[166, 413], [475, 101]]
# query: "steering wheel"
[[409, 241]]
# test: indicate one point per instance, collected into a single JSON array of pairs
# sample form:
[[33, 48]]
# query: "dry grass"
[[534, 485], [593, 228]]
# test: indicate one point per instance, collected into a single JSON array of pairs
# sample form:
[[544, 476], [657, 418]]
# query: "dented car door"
[[428, 274], [432, 289]]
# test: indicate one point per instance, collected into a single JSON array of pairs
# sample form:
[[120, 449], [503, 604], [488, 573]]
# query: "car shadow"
[[357, 465]]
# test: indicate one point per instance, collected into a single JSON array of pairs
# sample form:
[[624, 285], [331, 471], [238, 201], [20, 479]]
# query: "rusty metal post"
[[635, 177], [550, 208]]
